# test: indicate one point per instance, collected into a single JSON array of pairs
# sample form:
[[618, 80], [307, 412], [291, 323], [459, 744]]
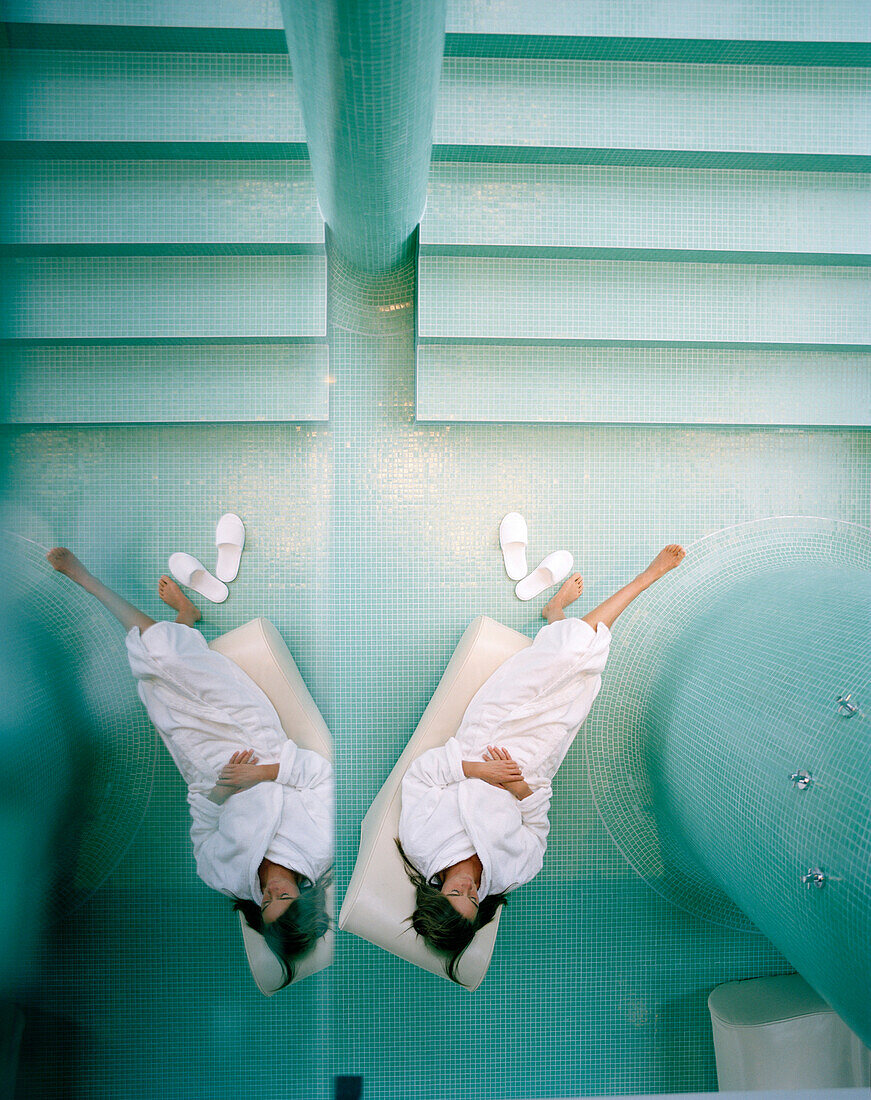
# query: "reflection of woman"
[[474, 819], [262, 833]]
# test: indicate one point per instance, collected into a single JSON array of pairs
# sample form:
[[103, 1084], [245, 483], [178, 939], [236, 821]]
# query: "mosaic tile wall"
[[417, 511], [145, 991], [621, 250], [372, 542], [371, 546], [786, 712], [754, 703]]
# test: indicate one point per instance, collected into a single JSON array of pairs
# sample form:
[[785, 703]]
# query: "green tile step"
[[253, 203], [166, 383], [165, 39], [511, 299], [706, 51], [261, 35], [676, 255], [560, 28], [209, 39], [168, 248], [217, 150], [751, 216], [507, 383], [719, 111], [151, 298], [127, 14], [100, 96], [647, 158], [798, 23]]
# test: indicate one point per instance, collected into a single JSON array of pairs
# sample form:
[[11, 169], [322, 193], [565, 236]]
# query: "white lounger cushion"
[[259, 650], [380, 897]]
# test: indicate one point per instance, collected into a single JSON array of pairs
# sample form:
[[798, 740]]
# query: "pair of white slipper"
[[190, 571], [514, 538]]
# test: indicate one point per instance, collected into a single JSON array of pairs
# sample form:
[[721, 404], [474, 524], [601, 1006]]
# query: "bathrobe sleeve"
[[527, 847], [534, 811], [204, 819], [230, 839], [435, 768], [303, 769], [509, 834], [208, 844]]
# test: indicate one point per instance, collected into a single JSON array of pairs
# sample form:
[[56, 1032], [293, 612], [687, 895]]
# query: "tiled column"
[[367, 74]]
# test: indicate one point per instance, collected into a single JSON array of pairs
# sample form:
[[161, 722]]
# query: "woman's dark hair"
[[438, 922], [299, 927]]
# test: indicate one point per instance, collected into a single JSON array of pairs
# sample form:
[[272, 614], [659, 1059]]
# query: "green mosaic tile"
[[175, 39], [156, 150], [120, 299], [777, 20], [183, 201], [161, 384], [505, 383], [581, 104], [372, 540], [511, 299], [636, 157], [593, 984], [369, 122], [569, 206], [177, 14], [699, 51], [684, 832], [103, 96]]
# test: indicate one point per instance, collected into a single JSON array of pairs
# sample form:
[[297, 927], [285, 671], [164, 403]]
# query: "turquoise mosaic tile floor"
[[372, 542]]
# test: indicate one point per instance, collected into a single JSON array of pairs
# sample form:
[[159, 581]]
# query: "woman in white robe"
[[262, 832], [474, 819]]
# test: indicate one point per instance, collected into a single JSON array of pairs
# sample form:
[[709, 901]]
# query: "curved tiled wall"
[[746, 698]]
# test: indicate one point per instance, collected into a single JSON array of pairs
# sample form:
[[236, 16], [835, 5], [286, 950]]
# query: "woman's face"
[[279, 893], [462, 893]]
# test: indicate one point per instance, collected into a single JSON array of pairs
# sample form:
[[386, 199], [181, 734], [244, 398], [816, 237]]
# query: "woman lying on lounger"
[[474, 817], [262, 833]]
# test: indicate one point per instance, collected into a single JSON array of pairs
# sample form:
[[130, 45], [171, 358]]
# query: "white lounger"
[[259, 650], [380, 897]]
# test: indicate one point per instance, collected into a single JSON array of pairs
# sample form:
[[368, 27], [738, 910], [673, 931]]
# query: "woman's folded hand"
[[497, 768], [516, 785], [240, 772]]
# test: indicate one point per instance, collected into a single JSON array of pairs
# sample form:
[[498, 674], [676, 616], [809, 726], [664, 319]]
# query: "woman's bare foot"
[[66, 562], [668, 558], [169, 592], [568, 593]]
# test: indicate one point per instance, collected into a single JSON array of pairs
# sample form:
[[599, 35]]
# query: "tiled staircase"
[[623, 226], [162, 249], [626, 229]]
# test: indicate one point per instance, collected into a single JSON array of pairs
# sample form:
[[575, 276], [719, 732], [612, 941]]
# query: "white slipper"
[[553, 569], [229, 539], [193, 574], [514, 538]]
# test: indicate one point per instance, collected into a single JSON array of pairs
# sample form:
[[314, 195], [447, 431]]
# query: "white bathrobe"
[[206, 708], [533, 706]]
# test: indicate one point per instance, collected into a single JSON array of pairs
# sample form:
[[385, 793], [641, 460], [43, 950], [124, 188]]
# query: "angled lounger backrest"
[[380, 897], [260, 651]]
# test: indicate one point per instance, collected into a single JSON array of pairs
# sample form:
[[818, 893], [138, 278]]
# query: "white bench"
[[380, 897], [260, 651]]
